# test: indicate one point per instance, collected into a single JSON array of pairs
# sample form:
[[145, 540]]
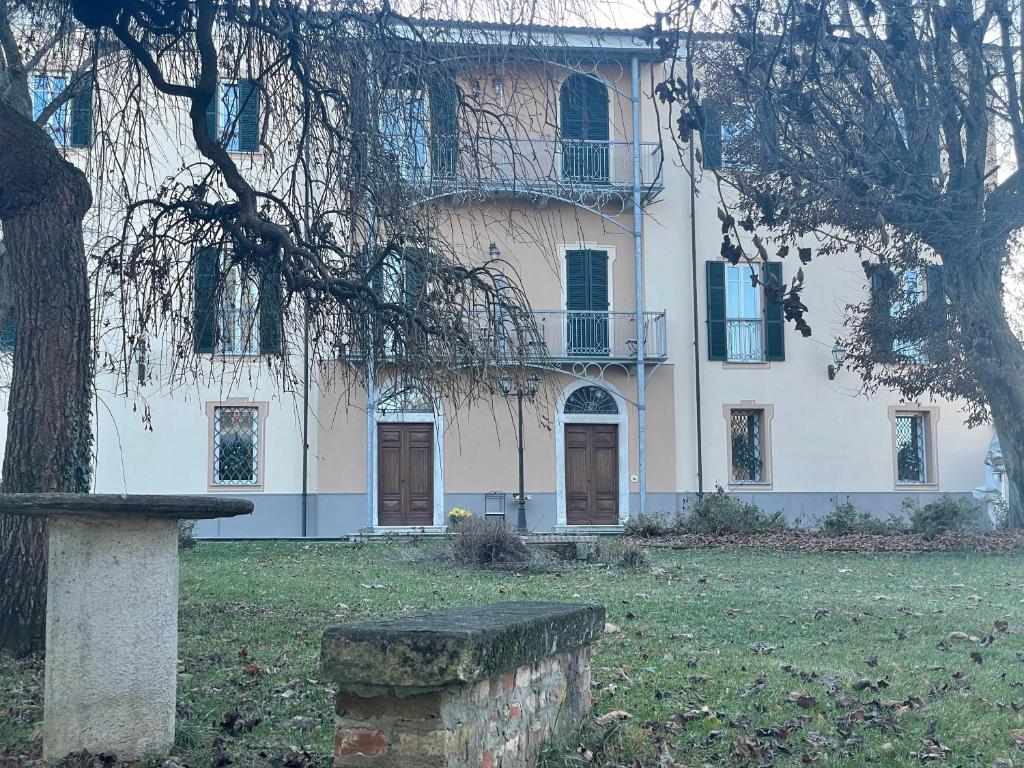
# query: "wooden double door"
[[405, 474], [592, 474]]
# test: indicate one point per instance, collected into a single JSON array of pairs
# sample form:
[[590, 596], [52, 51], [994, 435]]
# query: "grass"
[[718, 644]]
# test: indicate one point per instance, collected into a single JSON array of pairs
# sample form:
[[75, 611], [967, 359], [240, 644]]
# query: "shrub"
[[845, 520], [186, 534], [943, 514], [487, 542], [719, 513], [647, 525], [632, 557]]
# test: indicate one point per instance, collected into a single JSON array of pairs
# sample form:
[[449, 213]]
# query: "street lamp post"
[[508, 389]]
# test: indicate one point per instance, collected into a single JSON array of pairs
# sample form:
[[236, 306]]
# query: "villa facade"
[[663, 372]]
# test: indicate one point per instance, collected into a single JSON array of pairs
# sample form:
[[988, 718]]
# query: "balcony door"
[[586, 299], [584, 121]]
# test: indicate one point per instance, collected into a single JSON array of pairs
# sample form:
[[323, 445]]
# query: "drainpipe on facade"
[[305, 420], [696, 319], [638, 266]]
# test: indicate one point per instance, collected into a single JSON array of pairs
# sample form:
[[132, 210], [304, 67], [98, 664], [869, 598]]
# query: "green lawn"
[[722, 646]]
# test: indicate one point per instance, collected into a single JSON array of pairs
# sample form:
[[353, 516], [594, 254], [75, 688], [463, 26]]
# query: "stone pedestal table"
[[112, 617]]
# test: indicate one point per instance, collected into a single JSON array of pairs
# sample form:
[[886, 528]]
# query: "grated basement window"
[[235, 443], [911, 466], [745, 427]]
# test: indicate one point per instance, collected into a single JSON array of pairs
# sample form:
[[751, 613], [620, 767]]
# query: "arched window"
[[584, 119], [408, 399], [591, 400]]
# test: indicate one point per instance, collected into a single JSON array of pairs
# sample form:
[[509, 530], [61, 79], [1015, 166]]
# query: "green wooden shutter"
[[598, 269], [774, 322], [879, 317], [81, 114], [571, 104], [415, 277], [711, 139], [577, 292], [932, 160], [205, 307], [715, 284], [270, 313], [249, 117], [444, 105]]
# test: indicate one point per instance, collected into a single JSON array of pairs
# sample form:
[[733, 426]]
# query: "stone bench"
[[112, 617], [478, 687]]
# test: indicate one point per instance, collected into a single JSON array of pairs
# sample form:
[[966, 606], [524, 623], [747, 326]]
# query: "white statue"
[[996, 491]]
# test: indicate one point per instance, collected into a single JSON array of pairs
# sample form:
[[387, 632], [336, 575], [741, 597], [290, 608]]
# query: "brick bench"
[[479, 687]]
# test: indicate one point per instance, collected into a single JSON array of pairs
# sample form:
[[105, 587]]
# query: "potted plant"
[[457, 515]]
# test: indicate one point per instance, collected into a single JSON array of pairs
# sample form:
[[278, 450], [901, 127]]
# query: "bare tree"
[[328, 213], [892, 128]]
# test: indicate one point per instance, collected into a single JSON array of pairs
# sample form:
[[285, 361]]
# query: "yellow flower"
[[460, 513]]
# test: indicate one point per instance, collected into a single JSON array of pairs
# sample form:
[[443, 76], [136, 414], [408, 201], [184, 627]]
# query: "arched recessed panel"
[[591, 400]]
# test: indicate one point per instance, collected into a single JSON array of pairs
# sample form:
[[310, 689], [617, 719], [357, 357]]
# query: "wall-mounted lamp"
[[839, 355], [493, 251]]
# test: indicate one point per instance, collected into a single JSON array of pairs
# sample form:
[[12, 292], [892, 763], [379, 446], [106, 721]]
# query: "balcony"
[[744, 340], [570, 336], [569, 169], [563, 337]]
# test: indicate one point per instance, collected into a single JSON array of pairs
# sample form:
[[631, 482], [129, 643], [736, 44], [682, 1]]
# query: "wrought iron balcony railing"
[[534, 164], [570, 335], [744, 340], [563, 336]]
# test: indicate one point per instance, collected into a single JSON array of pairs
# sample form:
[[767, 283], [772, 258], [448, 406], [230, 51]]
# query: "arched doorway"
[[409, 467], [591, 457]]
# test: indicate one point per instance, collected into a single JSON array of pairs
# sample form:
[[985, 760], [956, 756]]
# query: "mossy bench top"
[[117, 505], [455, 644]]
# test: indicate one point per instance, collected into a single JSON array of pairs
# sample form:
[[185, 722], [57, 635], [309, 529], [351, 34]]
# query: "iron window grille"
[[591, 400], [236, 445], [746, 429], [911, 454]]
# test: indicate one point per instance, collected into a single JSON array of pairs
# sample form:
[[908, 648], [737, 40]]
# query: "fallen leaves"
[[615, 716]]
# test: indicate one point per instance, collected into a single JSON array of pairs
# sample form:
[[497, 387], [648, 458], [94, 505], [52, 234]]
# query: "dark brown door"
[[405, 474], [592, 474]]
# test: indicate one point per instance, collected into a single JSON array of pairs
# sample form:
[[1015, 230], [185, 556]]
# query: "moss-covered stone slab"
[[455, 645], [122, 505]]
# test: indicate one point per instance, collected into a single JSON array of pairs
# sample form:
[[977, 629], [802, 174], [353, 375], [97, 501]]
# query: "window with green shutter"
[[270, 328], [444, 127], [584, 121], [586, 299]]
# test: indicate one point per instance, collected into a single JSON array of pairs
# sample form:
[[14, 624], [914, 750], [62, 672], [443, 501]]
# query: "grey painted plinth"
[[112, 617]]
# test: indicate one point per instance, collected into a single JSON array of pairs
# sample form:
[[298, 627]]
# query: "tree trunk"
[[995, 355], [43, 199]]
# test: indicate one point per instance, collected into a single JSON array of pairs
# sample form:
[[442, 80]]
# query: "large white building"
[[723, 392]]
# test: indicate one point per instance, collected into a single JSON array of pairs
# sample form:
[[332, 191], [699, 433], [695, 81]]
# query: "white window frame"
[[238, 327], [914, 285], [229, 114], [406, 132], [738, 317], [59, 124]]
